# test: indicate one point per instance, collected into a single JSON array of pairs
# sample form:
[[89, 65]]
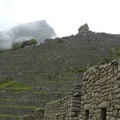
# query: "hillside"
[[39, 30], [32, 76]]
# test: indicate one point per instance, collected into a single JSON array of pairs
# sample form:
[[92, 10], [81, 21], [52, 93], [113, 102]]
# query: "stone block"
[[117, 90], [74, 105], [74, 109], [115, 113], [103, 105], [112, 118], [87, 107], [110, 97], [72, 114], [76, 94], [118, 96], [119, 68], [117, 106]]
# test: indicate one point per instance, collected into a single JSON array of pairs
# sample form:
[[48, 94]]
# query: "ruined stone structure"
[[99, 98], [38, 114], [67, 108], [101, 93]]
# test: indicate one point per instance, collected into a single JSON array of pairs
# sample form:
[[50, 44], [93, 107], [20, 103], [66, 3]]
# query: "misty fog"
[[39, 30]]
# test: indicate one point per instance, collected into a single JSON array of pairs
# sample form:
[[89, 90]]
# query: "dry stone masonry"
[[97, 99], [37, 115], [67, 108], [101, 93], [100, 98]]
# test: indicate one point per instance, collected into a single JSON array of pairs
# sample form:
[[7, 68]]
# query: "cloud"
[[39, 30]]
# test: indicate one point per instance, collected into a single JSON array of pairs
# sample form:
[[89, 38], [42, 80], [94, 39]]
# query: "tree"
[[24, 43], [16, 46], [33, 42], [29, 43]]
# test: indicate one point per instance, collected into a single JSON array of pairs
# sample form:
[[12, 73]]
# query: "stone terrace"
[[50, 69]]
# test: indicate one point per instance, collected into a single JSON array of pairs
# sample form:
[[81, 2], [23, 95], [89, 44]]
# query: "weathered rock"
[[83, 29]]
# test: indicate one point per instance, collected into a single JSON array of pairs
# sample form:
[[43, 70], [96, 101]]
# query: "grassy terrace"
[[9, 116], [22, 107], [14, 85], [31, 77]]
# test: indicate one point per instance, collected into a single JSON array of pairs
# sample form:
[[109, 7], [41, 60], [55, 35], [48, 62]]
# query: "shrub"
[[16, 46], [28, 43]]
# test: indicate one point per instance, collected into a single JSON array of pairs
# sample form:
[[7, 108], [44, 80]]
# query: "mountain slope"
[[39, 30], [48, 71]]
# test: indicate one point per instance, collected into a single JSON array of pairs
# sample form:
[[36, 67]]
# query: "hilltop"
[[39, 30], [30, 77]]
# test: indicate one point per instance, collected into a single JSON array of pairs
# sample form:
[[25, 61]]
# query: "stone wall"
[[67, 108], [101, 93], [37, 115], [99, 98]]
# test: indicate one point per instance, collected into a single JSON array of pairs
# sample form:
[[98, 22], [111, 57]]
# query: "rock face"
[[83, 29], [39, 30]]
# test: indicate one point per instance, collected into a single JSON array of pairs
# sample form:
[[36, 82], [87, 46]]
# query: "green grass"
[[77, 70], [10, 116], [50, 92], [14, 85], [22, 107], [116, 52]]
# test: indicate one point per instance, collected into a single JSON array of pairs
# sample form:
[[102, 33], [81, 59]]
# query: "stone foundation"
[[67, 108]]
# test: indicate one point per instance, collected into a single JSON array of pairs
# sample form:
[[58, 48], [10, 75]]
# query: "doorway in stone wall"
[[103, 114], [87, 115]]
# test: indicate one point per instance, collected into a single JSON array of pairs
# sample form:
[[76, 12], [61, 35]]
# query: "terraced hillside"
[[30, 77]]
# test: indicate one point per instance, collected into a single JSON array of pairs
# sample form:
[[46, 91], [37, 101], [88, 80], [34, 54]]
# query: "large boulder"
[[83, 29]]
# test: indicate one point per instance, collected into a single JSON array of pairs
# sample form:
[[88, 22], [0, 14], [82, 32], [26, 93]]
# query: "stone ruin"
[[83, 29], [97, 99], [67, 108], [101, 93]]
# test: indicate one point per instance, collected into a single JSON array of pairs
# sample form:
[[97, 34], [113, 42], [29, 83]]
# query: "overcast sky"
[[65, 16]]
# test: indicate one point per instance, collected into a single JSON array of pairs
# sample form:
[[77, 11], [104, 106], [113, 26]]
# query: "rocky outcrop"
[[83, 29]]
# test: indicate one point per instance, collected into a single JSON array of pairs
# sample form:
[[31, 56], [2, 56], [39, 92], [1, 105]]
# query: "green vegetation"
[[116, 52], [113, 54], [50, 92], [14, 85], [10, 116], [16, 46], [77, 70], [20, 107], [28, 43], [1, 51]]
